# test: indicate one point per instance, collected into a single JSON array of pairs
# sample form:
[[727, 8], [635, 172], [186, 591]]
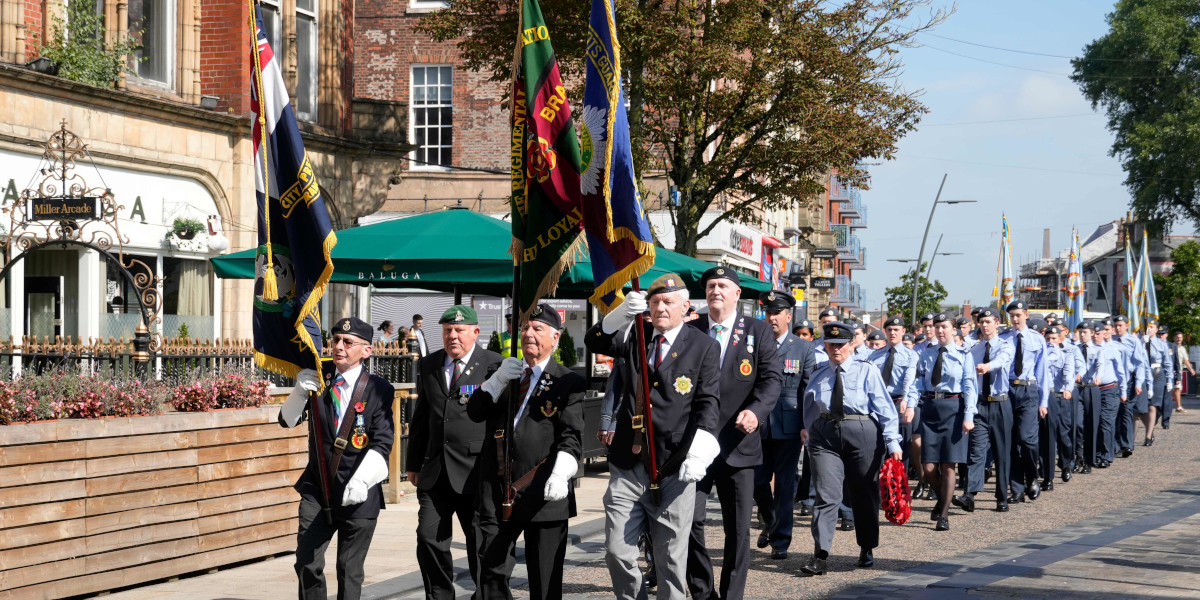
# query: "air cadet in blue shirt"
[[861, 350], [898, 365], [925, 336], [963, 325], [828, 315], [1088, 384], [947, 395], [1114, 377], [1162, 373], [1053, 437], [993, 420], [847, 413], [1138, 368], [781, 433], [1030, 397], [1071, 425]]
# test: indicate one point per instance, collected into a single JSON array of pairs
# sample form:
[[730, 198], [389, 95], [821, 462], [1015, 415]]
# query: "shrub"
[[60, 395], [220, 391]]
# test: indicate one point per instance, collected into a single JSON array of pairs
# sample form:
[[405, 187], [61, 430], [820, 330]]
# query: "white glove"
[[700, 454], [369, 473], [307, 381], [510, 370], [559, 483], [625, 313]]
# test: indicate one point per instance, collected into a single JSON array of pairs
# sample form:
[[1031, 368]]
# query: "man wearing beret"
[[543, 425], [446, 438], [356, 433], [750, 382], [683, 367], [781, 431], [1029, 393]]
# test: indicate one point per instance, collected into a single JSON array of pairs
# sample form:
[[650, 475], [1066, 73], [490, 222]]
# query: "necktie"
[[1019, 362], [888, 364], [339, 402], [526, 381], [937, 366], [1149, 356], [458, 370], [659, 340], [716, 332], [837, 401], [987, 377], [1084, 348]]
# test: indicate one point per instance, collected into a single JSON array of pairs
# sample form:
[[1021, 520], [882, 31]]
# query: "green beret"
[[666, 284], [460, 315]]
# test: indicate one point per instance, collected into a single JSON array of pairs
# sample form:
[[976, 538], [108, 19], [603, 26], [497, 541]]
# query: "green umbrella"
[[458, 248]]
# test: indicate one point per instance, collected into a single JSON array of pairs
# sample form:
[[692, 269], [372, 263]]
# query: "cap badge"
[[835, 331], [720, 271], [770, 296], [683, 384], [458, 316], [670, 282], [346, 326], [537, 311]]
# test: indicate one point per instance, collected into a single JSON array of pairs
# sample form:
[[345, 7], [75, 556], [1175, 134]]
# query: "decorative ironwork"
[[60, 183]]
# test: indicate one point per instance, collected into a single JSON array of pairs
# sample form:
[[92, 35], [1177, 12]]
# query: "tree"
[[1144, 73], [743, 104], [566, 347], [1180, 292], [929, 295], [78, 49]]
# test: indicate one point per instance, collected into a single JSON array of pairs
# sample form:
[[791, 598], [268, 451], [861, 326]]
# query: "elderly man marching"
[[683, 367], [848, 416], [525, 480], [355, 433]]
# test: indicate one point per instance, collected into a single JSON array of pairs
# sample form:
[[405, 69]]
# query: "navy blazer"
[[797, 359]]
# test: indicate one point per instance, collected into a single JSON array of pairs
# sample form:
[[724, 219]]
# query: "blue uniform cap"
[[836, 332], [1015, 305], [896, 321]]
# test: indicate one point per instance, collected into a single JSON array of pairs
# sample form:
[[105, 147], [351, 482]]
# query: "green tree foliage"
[[1179, 292], [930, 295], [78, 49], [1144, 74], [494, 342], [566, 349], [743, 104]]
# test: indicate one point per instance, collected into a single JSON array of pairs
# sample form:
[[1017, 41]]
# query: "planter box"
[[92, 505]]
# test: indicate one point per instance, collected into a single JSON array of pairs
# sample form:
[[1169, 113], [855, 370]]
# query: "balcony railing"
[[823, 239], [861, 220], [841, 235], [852, 208], [841, 289], [861, 263], [838, 190]]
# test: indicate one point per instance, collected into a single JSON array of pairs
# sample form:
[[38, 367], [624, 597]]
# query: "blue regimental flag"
[[295, 237], [618, 234], [1133, 309], [1149, 296], [1075, 287]]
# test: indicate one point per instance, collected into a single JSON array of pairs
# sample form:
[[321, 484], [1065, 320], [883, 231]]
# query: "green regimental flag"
[[547, 208]]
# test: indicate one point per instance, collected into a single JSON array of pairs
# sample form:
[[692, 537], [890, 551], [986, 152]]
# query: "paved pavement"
[[1130, 531]]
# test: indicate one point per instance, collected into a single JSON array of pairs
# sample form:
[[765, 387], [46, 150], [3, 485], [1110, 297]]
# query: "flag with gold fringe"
[[295, 237], [618, 236], [546, 209]]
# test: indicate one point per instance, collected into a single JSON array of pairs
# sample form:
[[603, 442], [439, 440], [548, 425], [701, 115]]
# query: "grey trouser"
[[628, 511], [848, 452]]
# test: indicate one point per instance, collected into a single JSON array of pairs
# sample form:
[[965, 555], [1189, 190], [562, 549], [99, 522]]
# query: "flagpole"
[[646, 404]]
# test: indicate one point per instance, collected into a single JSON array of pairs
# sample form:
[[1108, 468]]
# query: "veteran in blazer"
[[682, 365], [750, 382], [356, 433], [543, 424], [446, 439]]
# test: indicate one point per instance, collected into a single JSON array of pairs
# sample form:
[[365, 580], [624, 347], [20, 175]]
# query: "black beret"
[[1054, 329], [1015, 305], [776, 300], [855, 324], [938, 318], [1038, 325], [806, 324], [1052, 316], [1106, 321], [959, 322], [836, 332], [546, 314], [874, 335], [1085, 325], [908, 337], [975, 311], [355, 327], [828, 312], [920, 338], [1120, 319], [720, 273], [927, 317], [988, 311], [1152, 322], [896, 321]]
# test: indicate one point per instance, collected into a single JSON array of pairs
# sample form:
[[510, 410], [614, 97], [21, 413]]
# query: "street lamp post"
[[925, 237]]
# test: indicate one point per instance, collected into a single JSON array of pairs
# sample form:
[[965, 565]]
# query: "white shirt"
[[448, 368], [779, 340], [533, 380], [668, 340], [421, 342], [726, 332], [350, 378]]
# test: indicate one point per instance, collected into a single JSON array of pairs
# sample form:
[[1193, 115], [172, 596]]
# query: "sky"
[[1041, 157]]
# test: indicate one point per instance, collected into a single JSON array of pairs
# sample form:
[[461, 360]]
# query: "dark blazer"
[[380, 428], [797, 360], [449, 428], [683, 392], [552, 423], [750, 380]]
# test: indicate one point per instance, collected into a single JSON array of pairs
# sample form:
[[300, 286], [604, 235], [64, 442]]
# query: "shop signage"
[[824, 253], [741, 243], [821, 283], [62, 208]]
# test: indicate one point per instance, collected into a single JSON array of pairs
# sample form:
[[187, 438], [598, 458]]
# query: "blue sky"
[[1045, 165]]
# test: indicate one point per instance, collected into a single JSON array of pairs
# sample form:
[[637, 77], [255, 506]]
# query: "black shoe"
[[814, 566], [806, 510], [1165, 426], [965, 502], [943, 524], [866, 559], [847, 525], [1126, 452], [1001, 506], [1102, 464], [1149, 442], [1087, 469], [988, 473], [1047, 485], [1066, 474], [1033, 490], [779, 554], [919, 493], [1015, 498], [763, 540]]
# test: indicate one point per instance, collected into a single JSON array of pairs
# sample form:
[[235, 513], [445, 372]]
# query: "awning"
[[773, 242]]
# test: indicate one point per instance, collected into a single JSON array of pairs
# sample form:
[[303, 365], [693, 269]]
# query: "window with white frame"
[[431, 115], [427, 5], [153, 23], [306, 59], [272, 25]]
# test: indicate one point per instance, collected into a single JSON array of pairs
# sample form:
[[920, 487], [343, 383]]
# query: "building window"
[[154, 61], [306, 59], [273, 27], [432, 115], [427, 5]]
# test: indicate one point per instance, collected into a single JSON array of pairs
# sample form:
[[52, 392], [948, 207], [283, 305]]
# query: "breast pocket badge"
[[549, 410], [683, 384], [745, 368]]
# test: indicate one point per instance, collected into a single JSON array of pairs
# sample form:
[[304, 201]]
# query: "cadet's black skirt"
[[942, 437]]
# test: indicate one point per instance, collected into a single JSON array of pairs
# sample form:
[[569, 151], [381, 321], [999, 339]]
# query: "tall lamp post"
[[924, 238]]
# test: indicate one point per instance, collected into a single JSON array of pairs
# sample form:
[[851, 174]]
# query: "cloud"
[[1032, 96]]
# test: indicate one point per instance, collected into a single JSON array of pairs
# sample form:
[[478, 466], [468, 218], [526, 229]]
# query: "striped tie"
[[458, 371], [339, 402], [717, 329], [526, 381]]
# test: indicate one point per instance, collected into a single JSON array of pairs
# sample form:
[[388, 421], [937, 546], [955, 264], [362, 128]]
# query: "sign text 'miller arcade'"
[[50, 209]]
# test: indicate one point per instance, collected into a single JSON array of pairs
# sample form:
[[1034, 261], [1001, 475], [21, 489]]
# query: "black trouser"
[[780, 458], [735, 490], [545, 551], [993, 431], [1089, 427], [1126, 411], [906, 435], [1047, 438], [1065, 430], [1110, 399], [354, 537], [1024, 466], [846, 456], [436, 508]]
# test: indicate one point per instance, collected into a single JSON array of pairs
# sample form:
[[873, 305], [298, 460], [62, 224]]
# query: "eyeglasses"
[[347, 342]]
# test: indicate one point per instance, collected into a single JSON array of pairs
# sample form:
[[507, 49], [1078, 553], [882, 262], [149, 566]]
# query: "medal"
[[359, 440]]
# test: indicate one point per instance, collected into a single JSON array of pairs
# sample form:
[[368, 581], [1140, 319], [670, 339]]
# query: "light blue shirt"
[[1137, 364], [1091, 366], [958, 376], [1072, 346], [1112, 365], [1160, 353], [862, 352], [1033, 362], [865, 394], [1060, 367], [904, 372], [999, 360]]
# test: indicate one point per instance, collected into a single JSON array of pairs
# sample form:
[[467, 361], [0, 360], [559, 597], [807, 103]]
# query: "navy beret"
[[355, 327]]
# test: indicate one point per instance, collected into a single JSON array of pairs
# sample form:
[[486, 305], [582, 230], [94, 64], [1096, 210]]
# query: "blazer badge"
[[359, 440], [549, 410], [745, 368], [683, 384]]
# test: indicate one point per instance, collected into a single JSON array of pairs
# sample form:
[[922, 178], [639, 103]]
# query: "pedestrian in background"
[[1182, 363], [387, 332]]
